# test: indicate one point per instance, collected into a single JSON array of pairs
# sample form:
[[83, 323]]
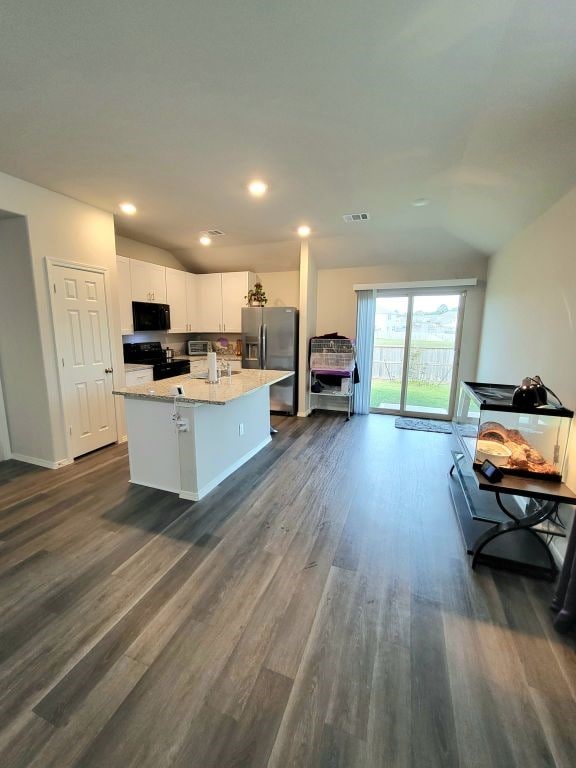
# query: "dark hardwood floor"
[[317, 609]]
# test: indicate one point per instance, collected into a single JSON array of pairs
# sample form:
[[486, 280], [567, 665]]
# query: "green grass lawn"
[[418, 394]]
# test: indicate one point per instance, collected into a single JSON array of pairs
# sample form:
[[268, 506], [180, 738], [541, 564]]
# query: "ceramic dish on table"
[[495, 452]]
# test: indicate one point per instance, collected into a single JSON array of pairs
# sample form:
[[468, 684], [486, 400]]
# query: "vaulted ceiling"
[[342, 107]]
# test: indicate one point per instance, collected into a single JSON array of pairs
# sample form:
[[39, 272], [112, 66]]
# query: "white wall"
[[337, 300], [133, 249], [25, 394], [530, 314], [5, 450], [59, 228], [308, 308], [282, 288]]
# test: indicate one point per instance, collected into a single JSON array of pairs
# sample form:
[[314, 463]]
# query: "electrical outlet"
[[240, 429]]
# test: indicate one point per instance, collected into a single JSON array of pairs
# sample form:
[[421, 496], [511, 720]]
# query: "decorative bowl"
[[495, 452]]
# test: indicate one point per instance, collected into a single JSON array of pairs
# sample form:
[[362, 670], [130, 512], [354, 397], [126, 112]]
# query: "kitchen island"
[[190, 443]]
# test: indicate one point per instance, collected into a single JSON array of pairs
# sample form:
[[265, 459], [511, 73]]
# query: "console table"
[[496, 530]]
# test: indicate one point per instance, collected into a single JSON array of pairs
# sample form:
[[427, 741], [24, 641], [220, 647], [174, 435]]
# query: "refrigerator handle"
[[264, 346]]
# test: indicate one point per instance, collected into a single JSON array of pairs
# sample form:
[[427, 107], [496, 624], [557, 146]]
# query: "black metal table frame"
[[540, 515]]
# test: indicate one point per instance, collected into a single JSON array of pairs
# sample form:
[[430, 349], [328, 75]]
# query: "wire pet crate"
[[332, 356]]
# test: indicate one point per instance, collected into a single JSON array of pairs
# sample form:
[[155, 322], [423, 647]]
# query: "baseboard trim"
[[41, 462], [205, 490], [157, 487], [304, 414]]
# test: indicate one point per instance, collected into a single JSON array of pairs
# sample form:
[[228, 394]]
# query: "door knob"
[[108, 370]]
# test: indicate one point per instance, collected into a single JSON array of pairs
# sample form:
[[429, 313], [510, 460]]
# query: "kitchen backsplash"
[[177, 341]]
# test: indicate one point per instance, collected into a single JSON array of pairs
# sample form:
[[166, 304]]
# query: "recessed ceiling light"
[[420, 202], [257, 188], [205, 240], [304, 230], [128, 208]]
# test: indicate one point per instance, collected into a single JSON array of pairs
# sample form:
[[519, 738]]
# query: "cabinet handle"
[[224, 326]]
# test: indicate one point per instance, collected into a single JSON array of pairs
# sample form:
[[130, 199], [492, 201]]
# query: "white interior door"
[[81, 327]]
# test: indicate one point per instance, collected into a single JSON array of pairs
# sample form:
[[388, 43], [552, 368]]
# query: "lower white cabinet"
[[139, 377]]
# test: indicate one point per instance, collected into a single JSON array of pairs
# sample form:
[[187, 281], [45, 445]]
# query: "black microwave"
[[150, 317]]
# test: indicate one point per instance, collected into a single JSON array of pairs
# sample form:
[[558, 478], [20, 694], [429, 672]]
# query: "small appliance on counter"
[[151, 352], [199, 348]]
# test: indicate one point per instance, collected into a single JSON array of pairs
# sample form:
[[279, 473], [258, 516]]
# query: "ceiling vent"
[[215, 232], [351, 217]]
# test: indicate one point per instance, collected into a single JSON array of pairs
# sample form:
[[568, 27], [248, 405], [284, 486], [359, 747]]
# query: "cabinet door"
[[234, 289], [191, 302], [209, 306], [157, 277], [176, 298], [133, 378], [124, 295], [140, 280]]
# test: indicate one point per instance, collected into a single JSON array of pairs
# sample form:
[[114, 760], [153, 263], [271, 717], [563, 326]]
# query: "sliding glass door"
[[416, 351]]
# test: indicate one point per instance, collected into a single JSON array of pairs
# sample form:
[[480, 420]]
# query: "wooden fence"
[[430, 365]]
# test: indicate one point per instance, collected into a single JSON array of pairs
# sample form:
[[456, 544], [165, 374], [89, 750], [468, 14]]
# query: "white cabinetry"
[[148, 281], [176, 298], [125, 295], [209, 306], [181, 297], [139, 377], [220, 300], [235, 286], [191, 301]]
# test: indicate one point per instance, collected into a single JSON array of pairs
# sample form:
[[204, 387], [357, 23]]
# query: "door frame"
[[51, 265], [410, 293]]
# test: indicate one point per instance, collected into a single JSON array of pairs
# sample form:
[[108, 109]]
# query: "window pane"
[[431, 353], [388, 355]]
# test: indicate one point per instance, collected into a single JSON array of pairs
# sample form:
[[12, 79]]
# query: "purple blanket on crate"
[[339, 375]]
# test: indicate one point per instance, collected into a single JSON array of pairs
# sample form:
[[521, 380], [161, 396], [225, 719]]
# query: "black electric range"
[[151, 353]]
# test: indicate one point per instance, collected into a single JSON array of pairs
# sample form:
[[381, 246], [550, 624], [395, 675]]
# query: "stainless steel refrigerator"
[[270, 341]]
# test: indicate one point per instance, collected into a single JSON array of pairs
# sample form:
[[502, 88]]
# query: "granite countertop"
[[128, 367], [198, 391]]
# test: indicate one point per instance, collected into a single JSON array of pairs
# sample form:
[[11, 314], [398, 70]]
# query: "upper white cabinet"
[[221, 297], [191, 301], [181, 296], [209, 304], [124, 295], [235, 287], [148, 281], [176, 298]]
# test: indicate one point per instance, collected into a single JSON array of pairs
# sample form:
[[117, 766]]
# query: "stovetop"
[[144, 352]]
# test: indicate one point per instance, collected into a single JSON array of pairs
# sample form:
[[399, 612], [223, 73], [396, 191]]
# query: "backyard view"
[[430, 351]]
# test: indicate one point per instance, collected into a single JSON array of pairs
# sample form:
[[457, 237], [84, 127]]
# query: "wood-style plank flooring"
[[317, 609]]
